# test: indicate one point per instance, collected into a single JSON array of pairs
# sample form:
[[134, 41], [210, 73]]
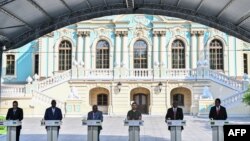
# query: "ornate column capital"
[[79, 33], [124, 33], [156, 33], [85, 33], [200, 33], [118, 33], [193, 33], [162, 33]]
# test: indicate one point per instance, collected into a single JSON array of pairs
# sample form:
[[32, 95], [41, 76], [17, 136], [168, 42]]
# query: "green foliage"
[[3, 130], [246, 97]]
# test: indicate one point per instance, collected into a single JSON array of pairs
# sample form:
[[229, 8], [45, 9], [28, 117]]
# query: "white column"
[[50, 56], [125, 50], [201, 54], [79, 53], [87, 59], [163, 49], [117, 48], [194, 50], [231, 55], [43, 60], [155, 48]]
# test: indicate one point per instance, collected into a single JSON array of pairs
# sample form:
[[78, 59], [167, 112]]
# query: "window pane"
[[102, 54], [10, 65], [140, 54], [65, 55], [216, 55], [178, 54]]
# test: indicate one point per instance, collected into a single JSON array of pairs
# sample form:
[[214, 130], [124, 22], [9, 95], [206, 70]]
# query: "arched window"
[[179, 98], [102, 99], [65, 55], [216, 55], [10, 64], [178, 54], [140, 54], [102, 55]]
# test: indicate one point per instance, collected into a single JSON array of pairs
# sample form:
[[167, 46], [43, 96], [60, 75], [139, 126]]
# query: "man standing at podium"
[[53, 113], [134, 114], [174, 113], [96, 115], [15, 113], [218, 112]]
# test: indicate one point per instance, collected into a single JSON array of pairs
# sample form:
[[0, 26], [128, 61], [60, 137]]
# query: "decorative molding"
[[101, 31], [159, 33]]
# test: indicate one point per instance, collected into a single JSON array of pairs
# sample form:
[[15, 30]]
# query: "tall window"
[[36, 69], [245, 63], [216, 55], [65, 52], [10, 65], [102, 99], [140, 54], [179, 98], [102, 55], [178, 54]]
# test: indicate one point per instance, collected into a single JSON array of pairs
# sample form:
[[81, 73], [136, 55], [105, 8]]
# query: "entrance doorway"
[[142, 103]]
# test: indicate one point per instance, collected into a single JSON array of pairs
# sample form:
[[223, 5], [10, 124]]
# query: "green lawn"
[[3, 130]]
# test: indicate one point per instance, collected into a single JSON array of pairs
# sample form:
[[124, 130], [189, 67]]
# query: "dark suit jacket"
[[17, 116], [222, 113], [50, 116], [170, 115], [98, 116]]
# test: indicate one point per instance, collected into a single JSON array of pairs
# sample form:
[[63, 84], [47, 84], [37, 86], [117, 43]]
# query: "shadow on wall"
[[24, 62]]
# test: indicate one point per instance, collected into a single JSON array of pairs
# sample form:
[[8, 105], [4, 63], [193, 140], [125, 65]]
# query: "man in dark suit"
[[53, 113], [218, 112], [15, 113], [96, 115], [174, 113]]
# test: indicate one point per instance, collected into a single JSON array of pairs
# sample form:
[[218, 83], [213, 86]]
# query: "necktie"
[[218, 111], [175, 114], [53, 110]]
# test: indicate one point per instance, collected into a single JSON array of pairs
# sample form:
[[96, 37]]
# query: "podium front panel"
[[133, 123], [92, 122], [176, 122]]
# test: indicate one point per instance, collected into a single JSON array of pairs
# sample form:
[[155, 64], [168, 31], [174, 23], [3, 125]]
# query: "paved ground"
[[154, 129]]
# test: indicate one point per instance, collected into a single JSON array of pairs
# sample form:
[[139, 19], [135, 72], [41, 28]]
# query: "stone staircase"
[[54, 80], [44, 101]]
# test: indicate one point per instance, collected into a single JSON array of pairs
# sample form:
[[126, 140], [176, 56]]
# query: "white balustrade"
[[98, 74], [236, 98], [12, 91], [46, 100], [54, 80], [146, 74], [181, 74], [141, 73], [226, 80]]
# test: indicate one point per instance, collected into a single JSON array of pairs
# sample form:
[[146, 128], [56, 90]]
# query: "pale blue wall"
[[25, 53]]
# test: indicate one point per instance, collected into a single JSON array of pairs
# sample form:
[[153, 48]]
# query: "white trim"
[[56, 51], [131, 51], [186, 47], [111, 51], [225, 54], [4, 65]]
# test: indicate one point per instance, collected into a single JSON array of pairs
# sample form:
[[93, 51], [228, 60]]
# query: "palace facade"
[[115, 60]]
